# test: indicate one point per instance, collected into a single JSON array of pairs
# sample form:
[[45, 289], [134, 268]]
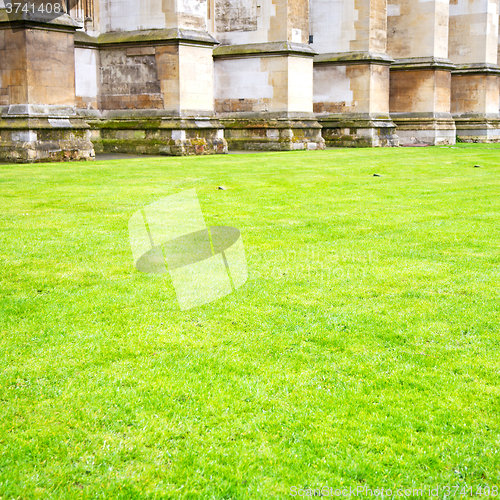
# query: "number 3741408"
[[43, 8]]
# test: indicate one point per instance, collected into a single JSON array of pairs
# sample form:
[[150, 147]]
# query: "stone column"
[[264, 74], [155, 78], [475, 81], [351, 72], [38, 118], [420, 94]]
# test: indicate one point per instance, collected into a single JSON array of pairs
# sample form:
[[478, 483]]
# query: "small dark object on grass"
[[377, 175], [477, 166], [222, 188]]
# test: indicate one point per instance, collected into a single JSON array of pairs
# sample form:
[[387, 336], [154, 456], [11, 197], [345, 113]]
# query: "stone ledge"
[[249, 123], [356, 120], [41, 139], [476, 69], [263, 50], [37, 110], [273, 135], [421, 117], [134, 114], [475, 118], [422, 121], [145, 37], [266, 116], [166, 123], [175, 139], [348, 58], [423, 63], [40, 123], [37, 21]]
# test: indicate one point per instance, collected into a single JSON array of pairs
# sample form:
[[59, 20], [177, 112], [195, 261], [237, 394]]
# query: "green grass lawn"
[[363, 351]]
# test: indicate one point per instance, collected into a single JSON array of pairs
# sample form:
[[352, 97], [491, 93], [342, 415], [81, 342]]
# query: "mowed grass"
[[363, 351]]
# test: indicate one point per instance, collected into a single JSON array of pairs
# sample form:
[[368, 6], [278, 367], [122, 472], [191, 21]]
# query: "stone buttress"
[[351, 72], [420, 87], [38, 117], [144, 78], [475, 80], [264, 74], [182, 77]]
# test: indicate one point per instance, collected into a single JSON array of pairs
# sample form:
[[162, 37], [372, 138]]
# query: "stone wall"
[[235, 15], [13, 76], [474, 31], [417, 91], [351, 72], [129, 79], [87, 78], [38, 120], [29, 75], [261, 84], [417, 28], [475, 94], [475, 80], [274, 73]]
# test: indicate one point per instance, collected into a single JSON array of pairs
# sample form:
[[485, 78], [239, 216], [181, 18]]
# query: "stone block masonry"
[[38, 118], [181, 77]]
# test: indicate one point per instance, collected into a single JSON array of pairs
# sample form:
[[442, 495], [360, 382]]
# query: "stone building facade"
[[194, 76]]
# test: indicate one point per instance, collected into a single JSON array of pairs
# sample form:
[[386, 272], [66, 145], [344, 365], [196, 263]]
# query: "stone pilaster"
[[420, 87], [154, 87], [475, 81], [351, 72], [38, 118], [264, 75]]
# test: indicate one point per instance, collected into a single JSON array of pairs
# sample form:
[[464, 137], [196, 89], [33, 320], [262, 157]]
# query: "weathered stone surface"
[[475, 81], [420, 82], [129, 81], [417, 28], [351, 72], [264, 71], [235, 15], [272, 133], [38, 121], [35, 137], [358, 130], [148, 76], [158, 135], [349, 26]]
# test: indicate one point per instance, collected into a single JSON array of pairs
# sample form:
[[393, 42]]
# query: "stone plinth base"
[[420, 100], [433, 129], [475, 102], [358, 130], [30, 133], [271, 133], [262, 96], [477, 128], [118, 132], [351, 99]]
